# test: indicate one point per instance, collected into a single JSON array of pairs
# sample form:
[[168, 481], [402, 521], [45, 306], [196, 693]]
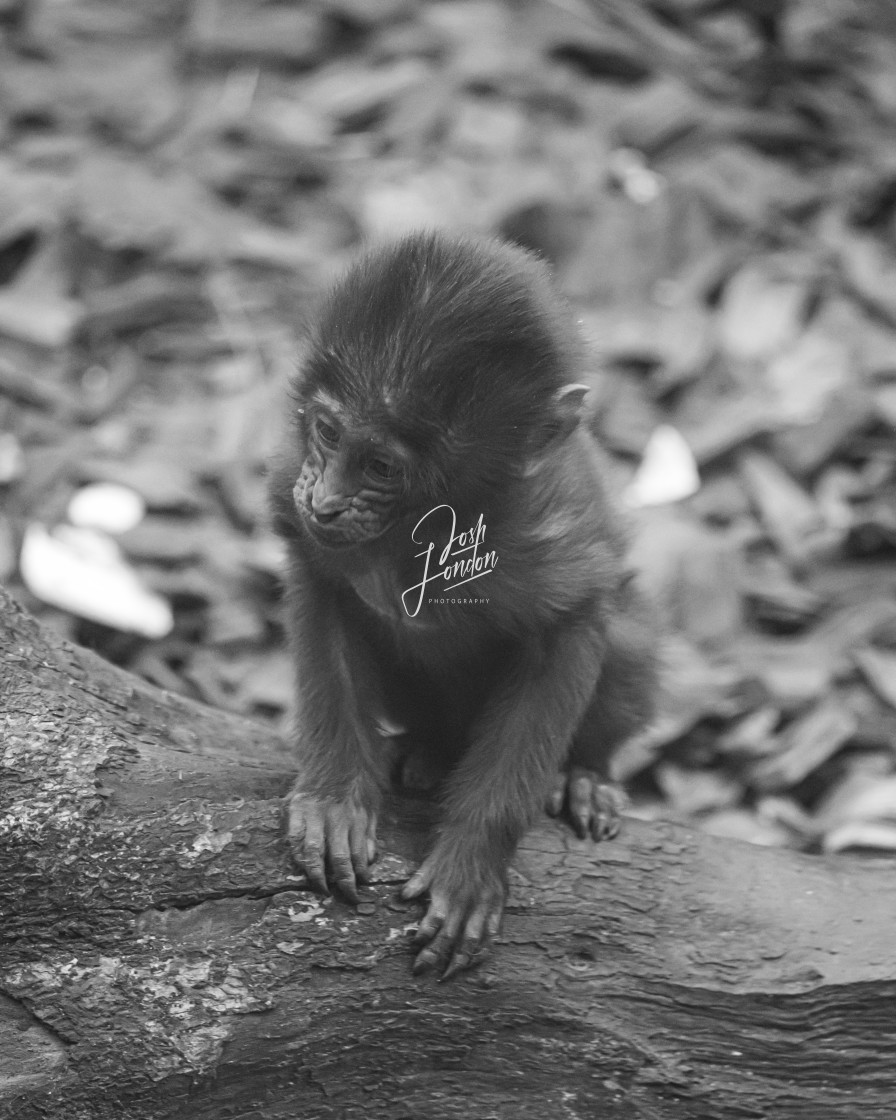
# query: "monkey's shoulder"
[[565, 509]]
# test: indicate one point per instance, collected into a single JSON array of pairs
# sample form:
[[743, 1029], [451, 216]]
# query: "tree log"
[[160, 958]]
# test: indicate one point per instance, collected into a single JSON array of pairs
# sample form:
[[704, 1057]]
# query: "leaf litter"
[[715, 193]]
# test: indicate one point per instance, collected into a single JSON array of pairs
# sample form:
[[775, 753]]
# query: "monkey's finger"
[[372, 851], [295, 827], [342, 871], [605, 825], [425, 961], [581, 808], [343, 876], [309, 854], [358, 844], [554, 804], [430, 956], [581, 821], [418, 883], [414, 887], [472, 952], [295, 830], [432, 922], [471, 945], [602, 823], [434, 955], [609, 801], [599, 827], [459, 963]]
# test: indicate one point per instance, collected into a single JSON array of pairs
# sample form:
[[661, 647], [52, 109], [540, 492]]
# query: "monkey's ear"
[[567, 409], [565, 412]]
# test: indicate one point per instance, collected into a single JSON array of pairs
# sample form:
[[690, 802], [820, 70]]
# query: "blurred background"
[[714, 183]]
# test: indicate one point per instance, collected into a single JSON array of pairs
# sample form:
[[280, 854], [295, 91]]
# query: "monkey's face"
[[352, 481]]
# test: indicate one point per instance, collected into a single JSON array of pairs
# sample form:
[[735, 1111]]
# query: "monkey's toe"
[[457, 944], [459, 922], [594, 805]]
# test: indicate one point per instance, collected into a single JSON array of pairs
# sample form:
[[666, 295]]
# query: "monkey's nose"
[[326, 518]]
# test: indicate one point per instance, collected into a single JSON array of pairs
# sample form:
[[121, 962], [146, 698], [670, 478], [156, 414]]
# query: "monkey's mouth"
[[331, 534], [337, 532]]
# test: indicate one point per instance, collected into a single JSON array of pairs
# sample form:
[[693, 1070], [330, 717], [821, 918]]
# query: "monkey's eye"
[[382, 468], [327, 434]]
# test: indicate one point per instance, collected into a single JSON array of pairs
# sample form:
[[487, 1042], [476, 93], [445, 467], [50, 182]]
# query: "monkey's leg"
[[622, 704], [342, 762], [496, 792]]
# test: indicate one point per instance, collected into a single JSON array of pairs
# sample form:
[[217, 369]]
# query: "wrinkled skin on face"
[[349, 488]]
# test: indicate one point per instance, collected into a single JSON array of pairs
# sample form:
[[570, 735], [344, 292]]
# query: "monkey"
[[456, 567]]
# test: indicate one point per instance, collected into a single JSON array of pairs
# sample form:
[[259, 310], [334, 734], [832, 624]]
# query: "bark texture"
[[159, 957]]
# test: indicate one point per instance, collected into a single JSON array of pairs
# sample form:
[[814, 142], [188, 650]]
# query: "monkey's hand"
[[464, 911], [326, 832], [593, 804]]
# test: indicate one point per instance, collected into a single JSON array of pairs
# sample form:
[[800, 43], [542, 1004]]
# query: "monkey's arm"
[[499, 787], [333, 804]]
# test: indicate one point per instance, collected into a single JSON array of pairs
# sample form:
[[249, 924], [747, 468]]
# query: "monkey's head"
[[437, 368]]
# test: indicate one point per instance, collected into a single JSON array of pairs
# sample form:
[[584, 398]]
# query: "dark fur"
[[453, 353]]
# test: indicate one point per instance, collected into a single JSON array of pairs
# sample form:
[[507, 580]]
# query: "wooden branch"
[[159, 958]]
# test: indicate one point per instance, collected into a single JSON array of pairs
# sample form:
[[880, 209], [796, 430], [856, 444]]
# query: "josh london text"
[[459, 562]]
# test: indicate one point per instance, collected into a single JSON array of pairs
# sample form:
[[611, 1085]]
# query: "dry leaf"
[[807, 743], [861, 834], [789, 514], [667, 472], [762, 313], [106, 506], [230, 33], [879, 667], [741, 824], [82, 571], [12, 459], [696, 791], [805, 376], [687, 570]]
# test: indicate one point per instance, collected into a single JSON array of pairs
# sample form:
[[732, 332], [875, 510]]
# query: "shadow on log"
[[159, 957]]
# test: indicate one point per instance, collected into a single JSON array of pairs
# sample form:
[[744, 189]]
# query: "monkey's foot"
[[592, 804], [329, 832], [461, 919]]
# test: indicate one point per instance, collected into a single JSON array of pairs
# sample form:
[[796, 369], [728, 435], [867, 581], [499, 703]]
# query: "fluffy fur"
[[451, 360]]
